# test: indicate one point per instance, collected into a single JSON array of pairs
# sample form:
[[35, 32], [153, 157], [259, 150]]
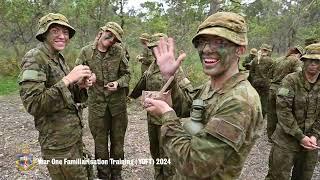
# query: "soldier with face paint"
[[225, 113], [298, 128], [107, 98], [50, 92]]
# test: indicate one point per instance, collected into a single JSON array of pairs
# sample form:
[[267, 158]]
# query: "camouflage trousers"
[[264, 95], [66, 171], [282, 160], [162, 172], [104, 126], [271, 113]]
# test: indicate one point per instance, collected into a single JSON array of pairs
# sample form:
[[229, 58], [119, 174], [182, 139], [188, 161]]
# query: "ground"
[[17, 128]]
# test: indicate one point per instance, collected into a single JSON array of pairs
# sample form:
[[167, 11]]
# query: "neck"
[[102, 48], [312, 78], [217, 82], [52, 51]]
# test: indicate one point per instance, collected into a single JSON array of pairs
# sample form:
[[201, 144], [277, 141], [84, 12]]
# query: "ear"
[[240, 50]]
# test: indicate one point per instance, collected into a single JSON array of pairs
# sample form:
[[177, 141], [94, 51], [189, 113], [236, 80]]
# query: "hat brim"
[[266, 49], [237, 38], [113, 32], [310, 56], [41, 31]]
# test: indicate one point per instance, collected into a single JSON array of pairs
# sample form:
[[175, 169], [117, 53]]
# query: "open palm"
[[166, 61]]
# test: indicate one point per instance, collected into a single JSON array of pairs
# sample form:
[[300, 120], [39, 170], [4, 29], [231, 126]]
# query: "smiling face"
[[57, 37], [217, 54]]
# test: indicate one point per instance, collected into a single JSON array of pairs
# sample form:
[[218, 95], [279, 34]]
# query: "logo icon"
[[25, 161]]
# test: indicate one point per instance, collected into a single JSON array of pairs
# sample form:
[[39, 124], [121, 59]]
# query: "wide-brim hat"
[[46, 21], [115, 29], [312, 52]]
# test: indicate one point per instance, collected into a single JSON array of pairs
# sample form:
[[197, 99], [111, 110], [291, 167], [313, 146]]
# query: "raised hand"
[[165, 55]]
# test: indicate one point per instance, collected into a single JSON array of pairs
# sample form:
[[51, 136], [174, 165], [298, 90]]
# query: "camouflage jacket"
[[298, 111], [283, 67], [232, 122], [52, 104], [260, 72], [113, 66], [247, 61], [146, 57]]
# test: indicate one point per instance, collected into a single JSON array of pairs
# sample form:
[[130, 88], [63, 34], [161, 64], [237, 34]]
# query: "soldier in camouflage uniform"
[[280, 68], [260, 74], [153, 81], [294, 146], [146, 58], [248, 60], [226, 117], [50, 92], [107, 98]]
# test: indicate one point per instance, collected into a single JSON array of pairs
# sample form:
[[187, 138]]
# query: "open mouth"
[[211, 61]]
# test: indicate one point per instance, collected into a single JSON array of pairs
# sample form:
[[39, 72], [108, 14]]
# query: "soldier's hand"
[[79, 72], [309, 143], [165, 55], [112, 86], [87, 82], [156, 107]]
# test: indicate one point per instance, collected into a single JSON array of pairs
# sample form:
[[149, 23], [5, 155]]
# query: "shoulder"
[[34, 56]]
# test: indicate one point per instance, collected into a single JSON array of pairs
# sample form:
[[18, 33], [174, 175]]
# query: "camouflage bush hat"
[[228, 25], [144, 36], [312, 52], [266, 47], [300, 49], [52, 18], [253, 51], [154, 39], [115, 29]]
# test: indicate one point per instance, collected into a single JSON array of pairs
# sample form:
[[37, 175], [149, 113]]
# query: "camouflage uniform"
[[280, 69], [52, 104], [107, 110], [153, 81], [298, 111], [231, 118], [248, 60], [260, 76], [146, 58]]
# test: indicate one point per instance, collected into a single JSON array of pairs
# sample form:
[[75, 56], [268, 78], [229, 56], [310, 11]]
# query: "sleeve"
[[284, 107], [36, 97], [124, 72], [315, 129], [222, 136]]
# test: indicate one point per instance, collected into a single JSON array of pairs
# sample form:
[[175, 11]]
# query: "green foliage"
[[8, 84]]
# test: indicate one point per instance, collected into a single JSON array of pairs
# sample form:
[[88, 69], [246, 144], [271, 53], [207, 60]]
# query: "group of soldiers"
[[289, 104], [207, 132]]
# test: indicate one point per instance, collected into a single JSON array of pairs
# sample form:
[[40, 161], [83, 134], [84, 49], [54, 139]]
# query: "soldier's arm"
[[124, 72], [36, 97], [284, 108], [203, 154]]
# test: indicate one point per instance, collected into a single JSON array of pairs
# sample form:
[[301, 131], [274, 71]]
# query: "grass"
[[8, 85]]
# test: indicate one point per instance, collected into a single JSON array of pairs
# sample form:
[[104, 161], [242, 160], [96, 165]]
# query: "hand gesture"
[[309, 143], [166, 61], [156, 107], [112, 86], [79, 72], [87, 82]]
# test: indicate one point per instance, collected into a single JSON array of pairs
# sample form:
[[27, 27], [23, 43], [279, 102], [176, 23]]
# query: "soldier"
[[260, 74], [153, 81], [248, 60], [298, 128], [280, 68], [225, 112], [146, 58], [50, 93], [107, 98]]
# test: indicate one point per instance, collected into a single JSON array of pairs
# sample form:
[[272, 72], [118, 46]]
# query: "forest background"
[[280, 23]]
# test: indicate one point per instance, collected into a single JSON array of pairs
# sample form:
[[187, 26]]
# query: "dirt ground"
[[17, 128]]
